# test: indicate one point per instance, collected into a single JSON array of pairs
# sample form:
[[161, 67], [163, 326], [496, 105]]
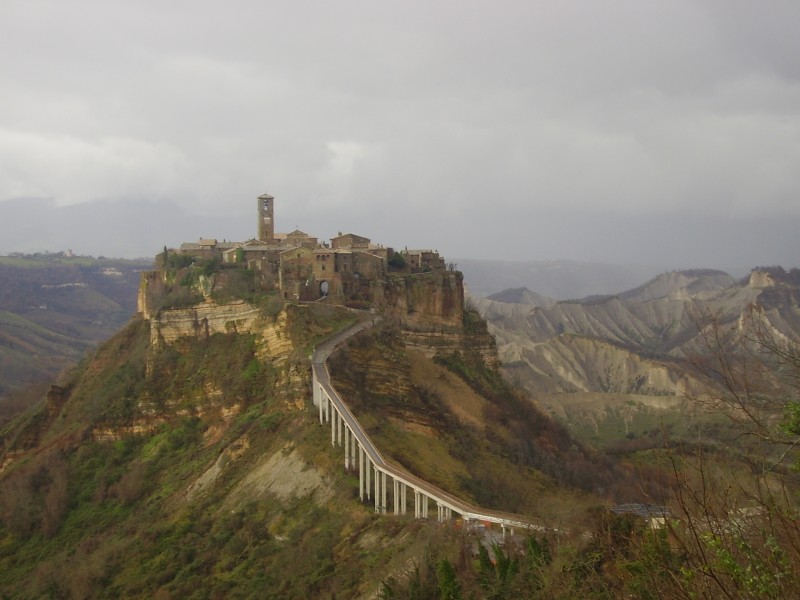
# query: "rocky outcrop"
[[285, 475], [209, 318], [761, 279], [430, 311], [152, 284], [30, 434], [56, 397], [575, 364], [202, 316], [426, 301], [202, 320], [442, 344], [681, 285]]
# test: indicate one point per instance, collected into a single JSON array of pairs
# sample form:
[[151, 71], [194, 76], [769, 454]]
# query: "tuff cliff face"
[[202, 320], [433, 317], [237, 316], [427, 300], [429, 309], [426, 311]]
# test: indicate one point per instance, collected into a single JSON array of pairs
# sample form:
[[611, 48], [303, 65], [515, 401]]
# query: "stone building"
[[299, 238], [349, 240], [295, 273], [266, 218], [207, 249], [423, 260], [303, 269]]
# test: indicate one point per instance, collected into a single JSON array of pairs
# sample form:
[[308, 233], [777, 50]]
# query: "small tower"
[[266, 221]]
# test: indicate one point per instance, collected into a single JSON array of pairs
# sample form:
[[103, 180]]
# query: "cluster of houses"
[[302, 268]]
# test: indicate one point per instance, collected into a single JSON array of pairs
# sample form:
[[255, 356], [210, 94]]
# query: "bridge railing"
[[347, 430]]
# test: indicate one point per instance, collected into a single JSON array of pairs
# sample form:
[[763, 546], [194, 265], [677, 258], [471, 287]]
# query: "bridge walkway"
[[374, 473]]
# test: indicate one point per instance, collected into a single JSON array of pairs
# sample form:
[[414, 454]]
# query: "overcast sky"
[[664, 132]]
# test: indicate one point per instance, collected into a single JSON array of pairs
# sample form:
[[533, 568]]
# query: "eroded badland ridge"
[[181, 459], [614, 366]]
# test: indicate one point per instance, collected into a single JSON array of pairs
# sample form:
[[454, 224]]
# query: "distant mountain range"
[[628, 348], [558, 279]]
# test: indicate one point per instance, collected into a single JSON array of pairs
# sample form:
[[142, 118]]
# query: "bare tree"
[[737, 534]]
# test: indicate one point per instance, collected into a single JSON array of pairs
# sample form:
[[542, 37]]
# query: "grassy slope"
[[209, 502], [459, 425], [82, 516]]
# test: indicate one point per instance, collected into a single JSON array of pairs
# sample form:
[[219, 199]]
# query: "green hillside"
[[195, 471], [53, 309], [184, 460]]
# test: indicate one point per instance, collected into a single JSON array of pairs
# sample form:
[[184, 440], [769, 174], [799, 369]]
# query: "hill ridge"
[[646, 338]]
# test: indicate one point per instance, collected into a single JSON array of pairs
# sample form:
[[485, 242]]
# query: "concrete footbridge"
[[374, 473]]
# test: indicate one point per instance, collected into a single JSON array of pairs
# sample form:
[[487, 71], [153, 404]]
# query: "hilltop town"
[[303, 268]]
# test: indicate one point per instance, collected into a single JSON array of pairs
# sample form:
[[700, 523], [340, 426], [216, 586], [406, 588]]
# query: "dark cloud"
[[487, 129]]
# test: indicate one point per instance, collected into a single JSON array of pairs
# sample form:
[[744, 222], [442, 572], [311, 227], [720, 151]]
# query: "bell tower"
[[266, 220]]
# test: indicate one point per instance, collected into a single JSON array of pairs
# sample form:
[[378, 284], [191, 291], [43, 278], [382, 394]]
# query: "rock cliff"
[[433, 316], [209, 318]]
